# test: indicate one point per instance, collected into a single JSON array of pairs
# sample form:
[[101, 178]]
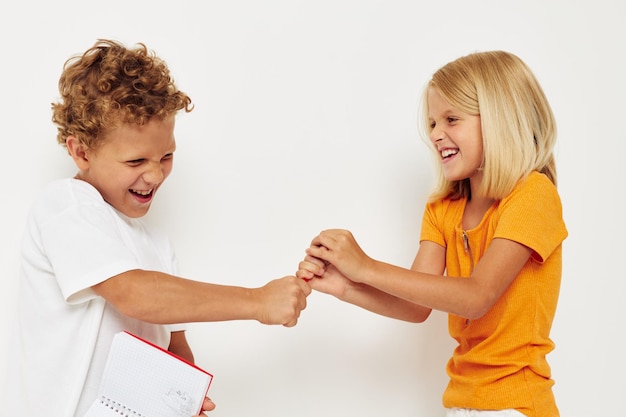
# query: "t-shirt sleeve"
[[431, 229], [532, 215], [84, 246]]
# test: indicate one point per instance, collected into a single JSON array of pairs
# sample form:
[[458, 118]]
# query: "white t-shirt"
[[74, 240]]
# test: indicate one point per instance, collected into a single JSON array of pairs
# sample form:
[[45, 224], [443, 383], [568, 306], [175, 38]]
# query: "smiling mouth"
[[447, 153], [142, 194]]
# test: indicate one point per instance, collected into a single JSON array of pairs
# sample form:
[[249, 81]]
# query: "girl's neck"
[[475, 209]]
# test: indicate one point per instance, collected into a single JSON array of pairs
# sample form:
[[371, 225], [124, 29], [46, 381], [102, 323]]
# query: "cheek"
[[167, 169]]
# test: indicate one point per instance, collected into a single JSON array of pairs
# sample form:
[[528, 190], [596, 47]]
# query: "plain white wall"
[[305, 119]]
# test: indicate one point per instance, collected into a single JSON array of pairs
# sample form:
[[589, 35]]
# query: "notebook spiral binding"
[[120, 409]]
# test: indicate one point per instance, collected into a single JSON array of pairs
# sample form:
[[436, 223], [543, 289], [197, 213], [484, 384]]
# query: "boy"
[[90, 267]]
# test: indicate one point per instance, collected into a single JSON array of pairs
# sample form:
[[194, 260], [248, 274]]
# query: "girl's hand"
[[331, 282], [339, 248], [322, 276]]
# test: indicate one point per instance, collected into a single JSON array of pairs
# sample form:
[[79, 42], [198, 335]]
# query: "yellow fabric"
[[500, 361]]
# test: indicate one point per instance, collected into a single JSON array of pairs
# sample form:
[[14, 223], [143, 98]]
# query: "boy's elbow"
[[126, 294], [419, 315]]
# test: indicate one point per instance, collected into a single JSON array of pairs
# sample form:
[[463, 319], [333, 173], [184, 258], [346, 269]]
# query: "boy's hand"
[[282, 300], [208, 405]]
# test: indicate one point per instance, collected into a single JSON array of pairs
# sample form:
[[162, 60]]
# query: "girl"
[[490, 244]]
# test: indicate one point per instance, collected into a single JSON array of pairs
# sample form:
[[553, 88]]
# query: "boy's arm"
[[179, 346], [156, 297]]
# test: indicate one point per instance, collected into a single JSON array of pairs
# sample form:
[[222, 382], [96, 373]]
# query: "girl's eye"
[[135, 162], [168, 156], [452, 119]]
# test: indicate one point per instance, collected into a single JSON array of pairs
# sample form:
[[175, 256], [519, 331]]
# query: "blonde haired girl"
[[519, 130], [490, 244]]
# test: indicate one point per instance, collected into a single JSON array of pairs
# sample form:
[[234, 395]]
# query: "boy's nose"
[[154, 175]]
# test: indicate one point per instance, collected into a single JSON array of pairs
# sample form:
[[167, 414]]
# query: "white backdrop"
[[306, 119]]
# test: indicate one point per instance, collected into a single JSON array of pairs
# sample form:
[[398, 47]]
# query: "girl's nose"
[[436, 134]]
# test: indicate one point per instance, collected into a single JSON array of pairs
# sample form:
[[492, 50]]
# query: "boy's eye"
[[168, 156], [135, 161]]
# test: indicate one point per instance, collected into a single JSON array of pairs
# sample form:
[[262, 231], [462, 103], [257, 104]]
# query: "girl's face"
[[130, 165], [457, 136]]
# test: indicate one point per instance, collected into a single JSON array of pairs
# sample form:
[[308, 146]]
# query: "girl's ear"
[[78, 151]]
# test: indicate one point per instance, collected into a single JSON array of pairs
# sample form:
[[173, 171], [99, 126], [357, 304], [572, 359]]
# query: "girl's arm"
[[425, 285], [430, 259]]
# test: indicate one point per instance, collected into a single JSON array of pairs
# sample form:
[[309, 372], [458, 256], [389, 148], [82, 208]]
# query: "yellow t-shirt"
[[500, 361]]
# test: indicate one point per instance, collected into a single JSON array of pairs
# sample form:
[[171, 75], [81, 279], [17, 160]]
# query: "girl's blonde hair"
[[518, 126]]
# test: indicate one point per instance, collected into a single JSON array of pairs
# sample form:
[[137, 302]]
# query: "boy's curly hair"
[[110, 84]]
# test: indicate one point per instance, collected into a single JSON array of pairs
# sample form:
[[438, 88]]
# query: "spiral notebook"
[[143, 380]]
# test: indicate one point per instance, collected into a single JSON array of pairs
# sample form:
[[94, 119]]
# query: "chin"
[[135, 214]]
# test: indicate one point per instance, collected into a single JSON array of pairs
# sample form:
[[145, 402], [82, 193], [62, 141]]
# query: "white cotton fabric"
[[74, 240]]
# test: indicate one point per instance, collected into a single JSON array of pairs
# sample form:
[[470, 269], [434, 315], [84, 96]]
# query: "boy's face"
[[130, 165]]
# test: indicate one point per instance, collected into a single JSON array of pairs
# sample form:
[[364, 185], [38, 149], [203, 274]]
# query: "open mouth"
[[447, 153], [143, 195]]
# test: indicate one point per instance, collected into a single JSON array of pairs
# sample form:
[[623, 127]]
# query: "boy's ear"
[[78, 151]]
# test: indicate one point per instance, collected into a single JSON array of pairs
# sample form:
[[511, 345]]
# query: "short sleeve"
[[84, 247], [431, 227], [532, 215]]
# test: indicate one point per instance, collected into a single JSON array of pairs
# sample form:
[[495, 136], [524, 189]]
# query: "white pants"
[[466, 412]]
